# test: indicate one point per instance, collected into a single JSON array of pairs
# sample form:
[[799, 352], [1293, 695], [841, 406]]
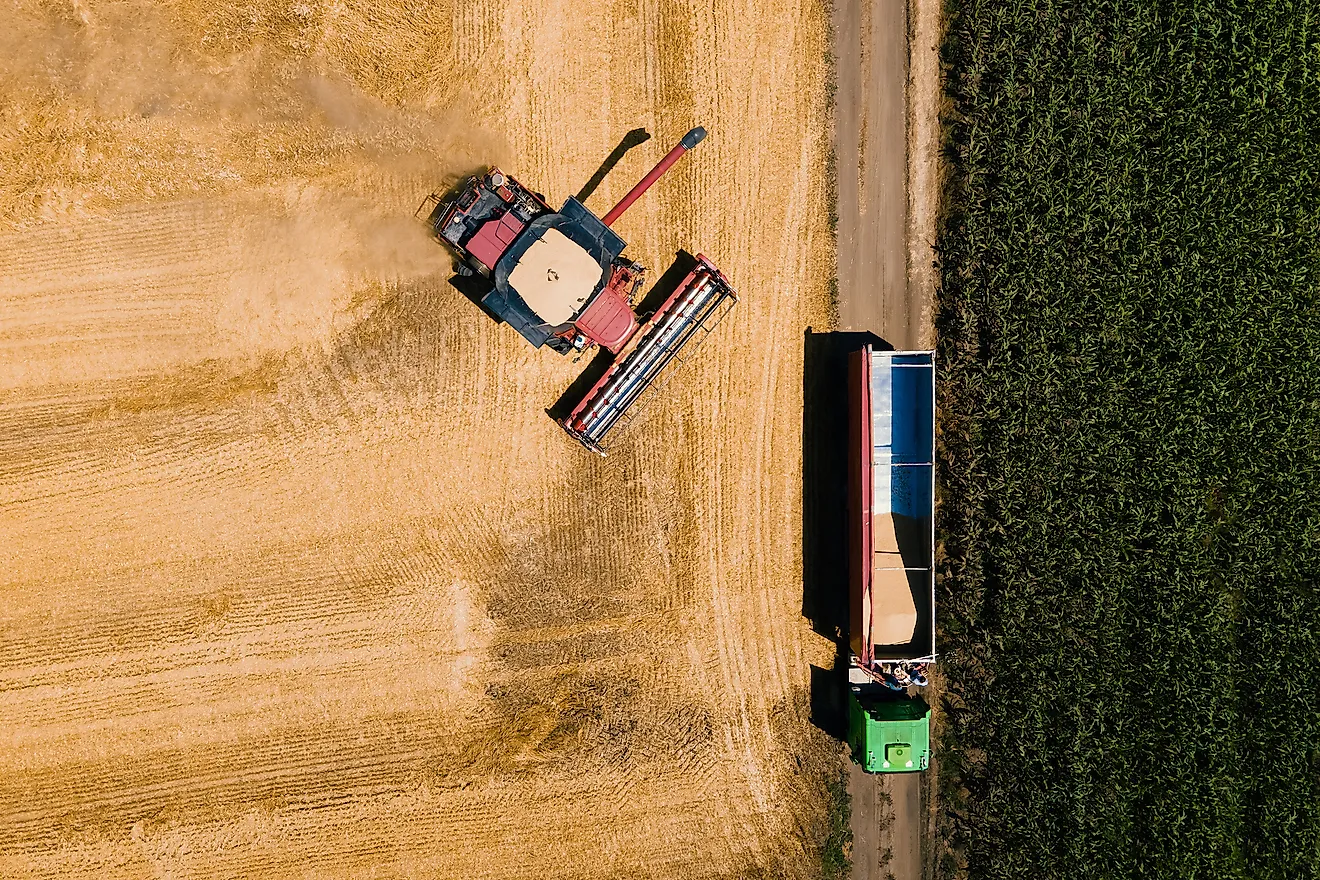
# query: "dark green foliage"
[[1130, 430]]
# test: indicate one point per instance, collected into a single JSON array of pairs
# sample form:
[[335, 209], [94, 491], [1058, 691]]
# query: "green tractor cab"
[[889, 734]]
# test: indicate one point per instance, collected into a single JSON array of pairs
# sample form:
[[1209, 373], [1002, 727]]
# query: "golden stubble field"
[[296, 576]]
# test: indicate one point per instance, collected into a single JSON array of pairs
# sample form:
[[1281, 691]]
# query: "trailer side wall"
[[892, 503]]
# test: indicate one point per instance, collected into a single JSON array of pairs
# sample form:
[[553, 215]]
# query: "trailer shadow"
[[825, 509]]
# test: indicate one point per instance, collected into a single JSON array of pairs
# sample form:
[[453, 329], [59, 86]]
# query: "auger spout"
[[689, 141]]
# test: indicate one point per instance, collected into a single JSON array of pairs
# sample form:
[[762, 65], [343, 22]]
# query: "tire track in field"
[[766, 591], [684, 190], [185, 282], [350, 385], [742, 630], [654, 833], [396, 614], [240, 658]]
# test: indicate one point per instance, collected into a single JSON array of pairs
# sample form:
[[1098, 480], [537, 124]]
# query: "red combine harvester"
[[559, 280]]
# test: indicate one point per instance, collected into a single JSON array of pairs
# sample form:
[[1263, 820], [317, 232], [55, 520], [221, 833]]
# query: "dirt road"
[[886, 827], [870, 144], [886, 142], [297, 578]]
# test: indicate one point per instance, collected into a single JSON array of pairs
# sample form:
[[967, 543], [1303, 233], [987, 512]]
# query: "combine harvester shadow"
[[634, 138]]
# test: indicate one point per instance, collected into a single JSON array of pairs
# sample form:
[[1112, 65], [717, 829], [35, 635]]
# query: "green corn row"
[[1129, 334]]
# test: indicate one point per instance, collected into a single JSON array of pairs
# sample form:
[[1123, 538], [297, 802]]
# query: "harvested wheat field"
[[296, 576]]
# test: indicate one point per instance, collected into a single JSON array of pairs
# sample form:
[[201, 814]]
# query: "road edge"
[[925, 174]]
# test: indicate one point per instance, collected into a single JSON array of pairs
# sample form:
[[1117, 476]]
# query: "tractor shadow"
[[634, 138], [825, 599], [665, 285]]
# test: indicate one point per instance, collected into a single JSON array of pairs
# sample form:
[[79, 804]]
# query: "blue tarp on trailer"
[[903, 432]]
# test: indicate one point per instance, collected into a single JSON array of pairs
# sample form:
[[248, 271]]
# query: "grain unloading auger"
[[560, 280]]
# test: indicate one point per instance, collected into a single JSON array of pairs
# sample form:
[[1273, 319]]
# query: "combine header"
[[559, 279]]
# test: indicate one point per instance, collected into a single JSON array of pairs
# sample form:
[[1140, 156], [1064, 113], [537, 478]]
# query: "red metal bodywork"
[[494, 238], [696, 304], [643, 185], [486, 224], [690, 140], [608, 321]]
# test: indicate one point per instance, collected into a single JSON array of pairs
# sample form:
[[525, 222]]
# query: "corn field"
[[1130, 435]]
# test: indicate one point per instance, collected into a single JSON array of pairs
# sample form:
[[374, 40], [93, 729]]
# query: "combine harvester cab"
[[892, 549], [560, 280]]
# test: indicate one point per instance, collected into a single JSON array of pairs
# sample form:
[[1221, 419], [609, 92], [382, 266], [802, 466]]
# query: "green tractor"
[[889, 734]]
